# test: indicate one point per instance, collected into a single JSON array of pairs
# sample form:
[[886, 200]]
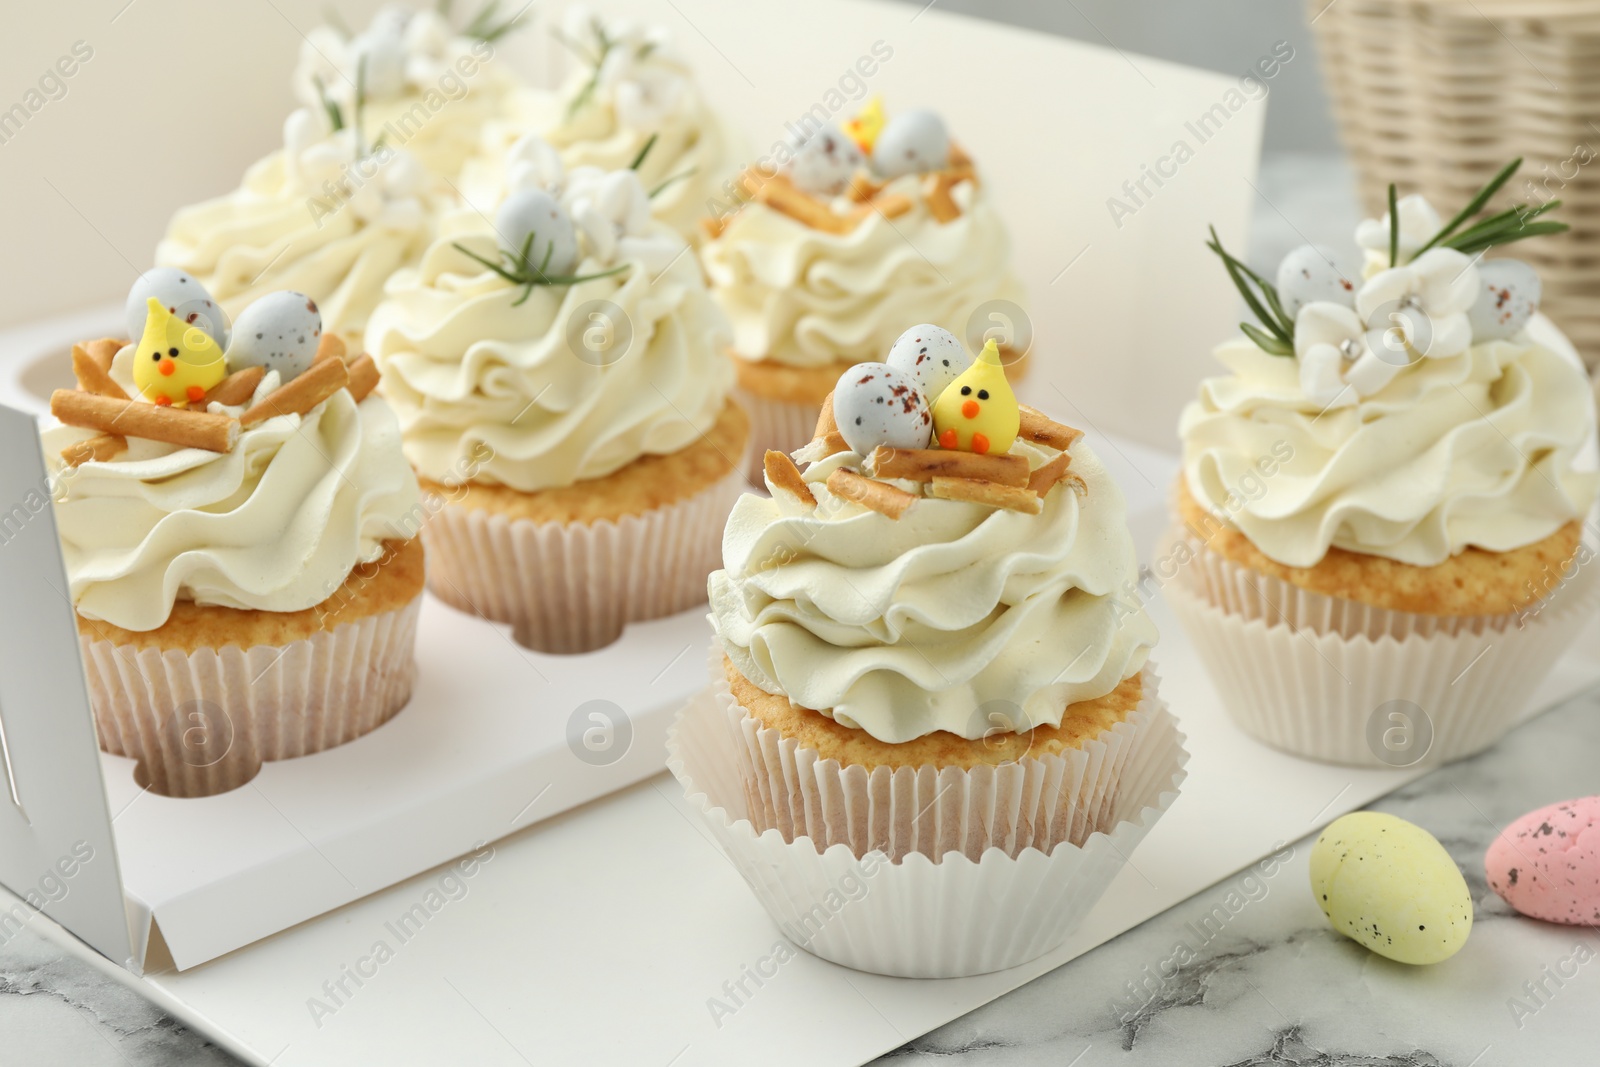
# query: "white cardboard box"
[[602, 934]]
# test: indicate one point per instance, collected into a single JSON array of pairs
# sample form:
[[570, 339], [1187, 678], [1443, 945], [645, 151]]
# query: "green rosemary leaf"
[[497, 268], [638, 160], [329, 105], [1268, 343], [1242, 277], [669, 182], [1475, 205], [1394, 227], [1505, 237]]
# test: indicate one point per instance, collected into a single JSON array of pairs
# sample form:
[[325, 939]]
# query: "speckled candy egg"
[[932, 355], [1547, 863], [537, 212], [183, 297], [280, 332], [1507, 298], [1389, 885], [825, 163], [1308, 274], [911, 143], [874, 404]]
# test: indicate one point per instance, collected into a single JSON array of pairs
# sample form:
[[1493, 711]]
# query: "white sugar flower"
[[1418, 223], [1420, 309], [1338, 368], [533, 163], [640, 74], [612, 210]]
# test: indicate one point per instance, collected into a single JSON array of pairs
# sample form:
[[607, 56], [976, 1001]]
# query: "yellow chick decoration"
[[977, 412], [175, 363], [868, 123]]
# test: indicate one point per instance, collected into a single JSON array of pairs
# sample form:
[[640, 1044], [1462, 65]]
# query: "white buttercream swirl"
[[513, 394], [317, 217], [955, 617], [277, 524], [1493, 447], [806, 298]]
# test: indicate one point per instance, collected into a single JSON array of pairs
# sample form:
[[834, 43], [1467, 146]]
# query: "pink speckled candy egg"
[[1547, 863]]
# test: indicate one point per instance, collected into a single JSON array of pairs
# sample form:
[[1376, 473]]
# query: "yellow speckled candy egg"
[[1391, 886]]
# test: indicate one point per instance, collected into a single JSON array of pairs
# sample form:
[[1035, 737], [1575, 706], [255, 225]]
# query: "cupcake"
[[332, 214], [923, 663], [238, 527], [821, 264], [1380, 519], [423, 85], [632, 101], [562, 394]]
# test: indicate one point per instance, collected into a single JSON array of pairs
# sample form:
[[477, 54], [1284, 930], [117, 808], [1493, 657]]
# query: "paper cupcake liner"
[[1342, 682], [774, 424], [913, 914], [202, 722], [572, 587]]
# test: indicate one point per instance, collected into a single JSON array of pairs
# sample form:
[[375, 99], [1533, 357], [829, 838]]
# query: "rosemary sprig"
[[670, 182], [1394, 227], [1513, 224], [638, 160], [329, 105], [361, 101], [590, 87], [1278, 337], [483, 26], [518, 269]]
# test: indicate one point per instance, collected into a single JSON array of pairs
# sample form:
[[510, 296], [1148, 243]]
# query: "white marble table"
[[1272, 984]]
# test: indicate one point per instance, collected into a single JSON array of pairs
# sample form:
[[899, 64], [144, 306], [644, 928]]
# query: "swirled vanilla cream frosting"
[[956, 616], [1492, 447], [328, 215], [276, 524], [552, 384], [806, 297]]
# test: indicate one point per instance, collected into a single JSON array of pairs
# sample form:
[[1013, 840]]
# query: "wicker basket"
[[1436, 95]]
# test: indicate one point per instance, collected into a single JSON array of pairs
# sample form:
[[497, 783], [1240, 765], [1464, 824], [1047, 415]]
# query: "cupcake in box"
[[561, 388], [924, 665], [631, 101], [332, 214], [1379, 549], [421, 83], [861, 230], [239, 529]]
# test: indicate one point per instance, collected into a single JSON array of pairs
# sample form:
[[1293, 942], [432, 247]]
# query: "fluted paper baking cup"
[[1342, 682], [916, 915], [202, 722], [572, 587], [774, 424]]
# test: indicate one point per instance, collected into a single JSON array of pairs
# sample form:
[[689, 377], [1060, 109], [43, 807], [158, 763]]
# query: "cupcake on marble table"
[[924, 661], [331, 214], [560, 383], [1379, 549], [860, 231], [631, 101], [239, 529]]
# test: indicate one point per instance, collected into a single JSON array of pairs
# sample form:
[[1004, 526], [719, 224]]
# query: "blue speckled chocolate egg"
[[825, 163], [1507, 298], [911, 143], [280, 332], [1309, 274], [874, 404], [932, 355], [182, 295], [537, 212]]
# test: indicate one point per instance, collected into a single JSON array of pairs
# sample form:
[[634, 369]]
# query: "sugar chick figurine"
[[865, 127], [175, 363], [977, 412]]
